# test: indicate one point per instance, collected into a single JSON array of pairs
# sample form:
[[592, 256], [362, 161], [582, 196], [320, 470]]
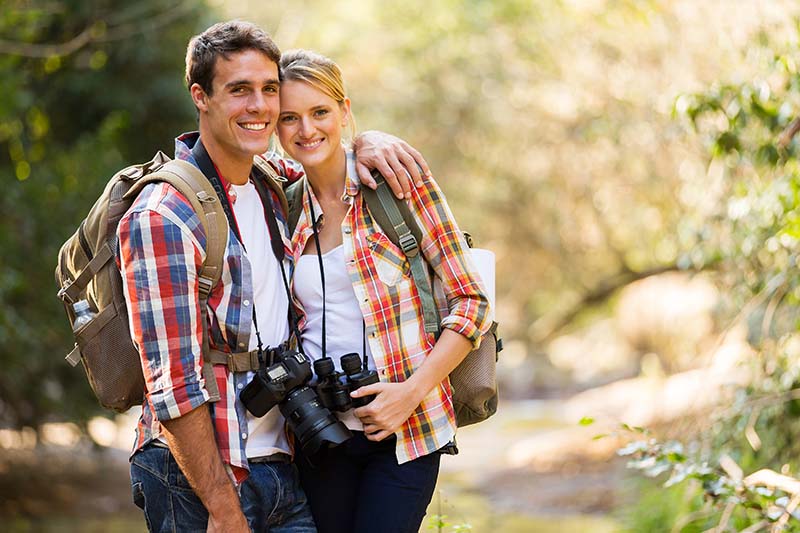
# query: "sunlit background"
[[631, 163]]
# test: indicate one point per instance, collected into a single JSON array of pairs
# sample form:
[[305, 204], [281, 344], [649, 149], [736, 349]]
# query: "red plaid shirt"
[[390, 304], [161, 250]]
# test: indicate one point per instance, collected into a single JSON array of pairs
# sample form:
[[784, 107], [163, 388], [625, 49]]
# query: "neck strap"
[[321, 270], [205, 164], [322, 279]]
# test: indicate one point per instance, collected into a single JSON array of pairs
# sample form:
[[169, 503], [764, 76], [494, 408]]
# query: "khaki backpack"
[[87, 270]]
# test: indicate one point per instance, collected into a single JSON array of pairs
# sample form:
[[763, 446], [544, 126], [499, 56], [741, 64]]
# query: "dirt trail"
[[527, 461], [490, 484]]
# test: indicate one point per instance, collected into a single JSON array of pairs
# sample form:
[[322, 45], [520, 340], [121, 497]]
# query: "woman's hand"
[[391, 407]]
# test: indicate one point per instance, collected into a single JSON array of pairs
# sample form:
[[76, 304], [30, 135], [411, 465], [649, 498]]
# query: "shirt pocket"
[[389, 260]]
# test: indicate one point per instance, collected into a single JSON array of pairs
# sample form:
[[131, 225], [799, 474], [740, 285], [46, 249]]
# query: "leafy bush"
[[88, 87], [735, 469]]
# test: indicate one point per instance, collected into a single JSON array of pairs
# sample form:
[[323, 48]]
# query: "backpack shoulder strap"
[[395, 219], [294, 197], [192, 184], [272, 179]]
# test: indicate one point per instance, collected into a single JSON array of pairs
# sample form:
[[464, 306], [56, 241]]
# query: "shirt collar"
[[308, 193], [184, 144], [352, 183]]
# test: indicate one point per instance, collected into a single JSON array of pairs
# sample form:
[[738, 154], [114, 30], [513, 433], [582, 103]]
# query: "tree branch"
[[38, 50], [770, 478], [788, 133], [116, 28], [548, 326], [157, 20]]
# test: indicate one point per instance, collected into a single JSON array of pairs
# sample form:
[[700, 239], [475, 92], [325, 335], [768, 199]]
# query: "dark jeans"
[[359, 487], [271, 497]]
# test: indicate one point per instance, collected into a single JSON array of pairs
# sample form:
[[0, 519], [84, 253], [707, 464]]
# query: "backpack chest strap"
[[71, 292], [236, 362]]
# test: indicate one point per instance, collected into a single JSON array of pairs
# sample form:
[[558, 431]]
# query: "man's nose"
[[256, 103]]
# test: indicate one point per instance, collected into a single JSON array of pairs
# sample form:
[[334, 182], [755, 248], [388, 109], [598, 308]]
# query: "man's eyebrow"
[[237, 83]]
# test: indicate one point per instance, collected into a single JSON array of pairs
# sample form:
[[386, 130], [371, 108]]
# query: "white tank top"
[[344, 321]]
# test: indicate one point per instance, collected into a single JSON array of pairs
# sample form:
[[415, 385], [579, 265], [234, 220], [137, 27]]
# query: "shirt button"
[[241, 345], [347, 231], [246, 303], [244, 435]]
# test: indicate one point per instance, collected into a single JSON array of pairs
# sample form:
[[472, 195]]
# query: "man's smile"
[[253, 126]]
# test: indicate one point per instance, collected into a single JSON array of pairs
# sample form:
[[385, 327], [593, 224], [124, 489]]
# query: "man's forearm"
[[399, 163], [193, 444]]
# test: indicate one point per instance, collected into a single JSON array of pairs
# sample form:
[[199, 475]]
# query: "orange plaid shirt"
[[390, 304]]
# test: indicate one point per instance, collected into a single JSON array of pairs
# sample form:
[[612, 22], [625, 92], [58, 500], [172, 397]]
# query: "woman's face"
[[310, 124]]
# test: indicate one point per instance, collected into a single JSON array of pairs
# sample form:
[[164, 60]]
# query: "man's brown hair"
[[223, 39]]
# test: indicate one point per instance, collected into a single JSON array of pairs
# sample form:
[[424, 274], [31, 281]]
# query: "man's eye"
[[270, 89], [237, 90]]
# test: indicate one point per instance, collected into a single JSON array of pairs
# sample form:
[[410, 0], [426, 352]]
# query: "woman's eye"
[[287, 118], [320, 112]]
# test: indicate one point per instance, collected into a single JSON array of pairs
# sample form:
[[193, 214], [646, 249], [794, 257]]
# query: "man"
[[199, 465]]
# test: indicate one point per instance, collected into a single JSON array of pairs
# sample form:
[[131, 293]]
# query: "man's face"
[[236, 121]]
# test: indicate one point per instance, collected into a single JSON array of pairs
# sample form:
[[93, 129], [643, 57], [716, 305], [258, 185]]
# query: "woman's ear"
[[345, 105]]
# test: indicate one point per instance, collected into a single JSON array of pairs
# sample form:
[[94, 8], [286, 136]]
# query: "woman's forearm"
[[449, 351], [394, 402]]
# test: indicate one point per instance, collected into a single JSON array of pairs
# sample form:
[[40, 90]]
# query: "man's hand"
[[192, 443], [392, 406], [397, 160], [231, 521]]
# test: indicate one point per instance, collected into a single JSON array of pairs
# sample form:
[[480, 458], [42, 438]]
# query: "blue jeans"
[[271, 497], [358, 487]]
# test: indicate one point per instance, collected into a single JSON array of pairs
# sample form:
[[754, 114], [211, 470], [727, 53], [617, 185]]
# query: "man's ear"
[[199, 97]]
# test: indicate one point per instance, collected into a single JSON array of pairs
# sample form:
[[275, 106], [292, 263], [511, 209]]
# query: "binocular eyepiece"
[[334, 387]]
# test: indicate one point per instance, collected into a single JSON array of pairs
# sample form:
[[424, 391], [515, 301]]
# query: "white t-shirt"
[[344, 321], [266, 435]]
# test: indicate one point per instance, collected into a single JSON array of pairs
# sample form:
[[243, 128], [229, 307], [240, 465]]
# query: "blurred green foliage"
[[88, 87], [749, 128], [548, 125]]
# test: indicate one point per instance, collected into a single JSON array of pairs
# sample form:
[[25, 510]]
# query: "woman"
[[383, 478]]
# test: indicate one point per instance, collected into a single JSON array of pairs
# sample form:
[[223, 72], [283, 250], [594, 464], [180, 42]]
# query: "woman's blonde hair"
[[318, 71]]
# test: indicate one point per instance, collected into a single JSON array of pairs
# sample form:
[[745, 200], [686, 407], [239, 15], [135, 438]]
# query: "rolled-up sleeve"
[[446, 251], [159, 260]]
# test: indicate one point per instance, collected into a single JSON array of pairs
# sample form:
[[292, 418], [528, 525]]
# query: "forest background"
[[632, 164]]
